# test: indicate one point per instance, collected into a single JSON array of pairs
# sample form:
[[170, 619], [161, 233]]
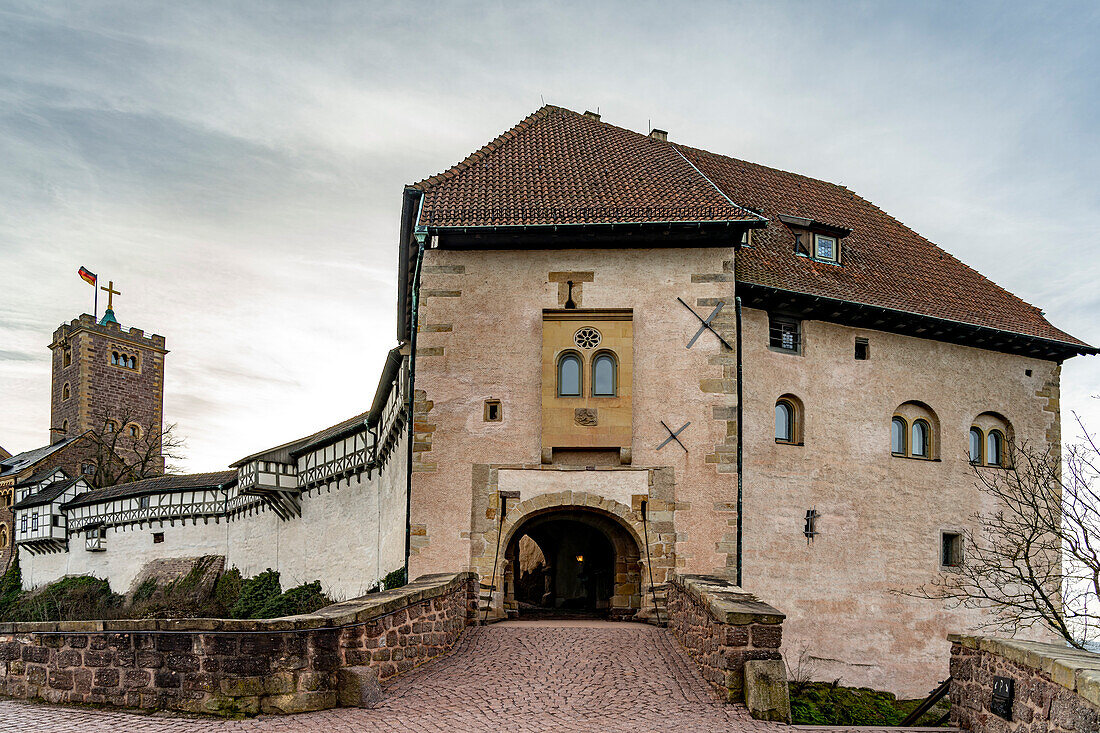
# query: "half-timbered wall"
[[353, 492]]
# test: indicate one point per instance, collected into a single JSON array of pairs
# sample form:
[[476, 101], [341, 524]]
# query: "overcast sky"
[[236, 168]]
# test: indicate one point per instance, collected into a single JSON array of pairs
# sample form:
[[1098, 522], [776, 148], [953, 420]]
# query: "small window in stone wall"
[[863, 350], [158, 537], [951, 549], [493, 411]]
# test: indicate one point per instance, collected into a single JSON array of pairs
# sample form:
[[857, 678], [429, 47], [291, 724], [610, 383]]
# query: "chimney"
[[594, 116], [659, 134]]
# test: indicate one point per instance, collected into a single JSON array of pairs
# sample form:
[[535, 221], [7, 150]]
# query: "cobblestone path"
[[535, 676], [521, 676]]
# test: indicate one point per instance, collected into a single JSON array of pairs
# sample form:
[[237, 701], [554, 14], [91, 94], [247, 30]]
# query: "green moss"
[[227, 589], [146, 590], [74, 598], [820, 703]]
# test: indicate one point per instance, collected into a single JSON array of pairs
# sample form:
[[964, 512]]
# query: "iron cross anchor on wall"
[[706, 323], [672, 436]]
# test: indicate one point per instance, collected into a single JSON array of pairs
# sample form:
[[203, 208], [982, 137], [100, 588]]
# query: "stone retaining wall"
[[1056, 689], [725, 629], [223, 666]]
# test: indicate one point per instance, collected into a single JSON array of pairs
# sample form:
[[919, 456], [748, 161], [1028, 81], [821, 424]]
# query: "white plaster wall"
[[347, 537], [881, 516]]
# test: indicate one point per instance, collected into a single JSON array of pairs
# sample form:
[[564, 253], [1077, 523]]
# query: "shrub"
[[11, 588], [305, 598], [255, 592], [75, 598], [145, 591], [227, 589], [396, 579]]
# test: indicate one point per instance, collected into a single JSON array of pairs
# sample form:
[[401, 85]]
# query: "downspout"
[[740, 450], [421, 239]]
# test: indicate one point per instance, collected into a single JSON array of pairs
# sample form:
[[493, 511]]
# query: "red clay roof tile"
[[561, 167]]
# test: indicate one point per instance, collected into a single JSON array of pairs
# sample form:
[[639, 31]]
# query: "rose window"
[[587, 338]]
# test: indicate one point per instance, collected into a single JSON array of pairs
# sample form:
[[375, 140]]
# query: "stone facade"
[[229, 667], [1056, 689], [99, 390], [723, 628]]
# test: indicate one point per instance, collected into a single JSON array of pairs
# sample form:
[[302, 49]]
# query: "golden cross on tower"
[[111, 293]]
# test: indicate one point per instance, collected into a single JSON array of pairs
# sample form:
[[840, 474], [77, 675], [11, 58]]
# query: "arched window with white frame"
[[569, 374]]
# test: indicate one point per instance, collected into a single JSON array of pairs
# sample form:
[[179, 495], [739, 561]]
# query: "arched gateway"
[[570, 552]]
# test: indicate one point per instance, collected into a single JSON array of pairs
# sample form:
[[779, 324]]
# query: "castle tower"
[[105, 378]]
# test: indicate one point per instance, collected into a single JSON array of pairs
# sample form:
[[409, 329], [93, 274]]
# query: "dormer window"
[[825, 248]]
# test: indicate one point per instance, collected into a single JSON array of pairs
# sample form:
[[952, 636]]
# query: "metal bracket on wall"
[[706, 323], [672, 436]]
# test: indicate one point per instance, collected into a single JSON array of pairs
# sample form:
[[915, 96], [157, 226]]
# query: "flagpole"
[[95, 301]]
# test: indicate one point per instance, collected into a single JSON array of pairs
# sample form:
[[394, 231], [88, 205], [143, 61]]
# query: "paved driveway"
[[513, 676]]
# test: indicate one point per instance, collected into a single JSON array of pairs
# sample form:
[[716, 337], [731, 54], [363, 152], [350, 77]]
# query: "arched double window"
[[788, 420], [913, 431], [604, 375], [114, 358], [569, 374], [3, 535], [990, 437]]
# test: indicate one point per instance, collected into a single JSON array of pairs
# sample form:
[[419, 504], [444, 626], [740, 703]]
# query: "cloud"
[[236, 168]]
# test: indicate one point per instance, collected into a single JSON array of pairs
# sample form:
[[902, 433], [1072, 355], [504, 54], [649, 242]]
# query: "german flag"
[[87, 275]]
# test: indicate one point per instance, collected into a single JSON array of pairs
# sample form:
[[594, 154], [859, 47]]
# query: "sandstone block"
[[358, 687], [766, 694], [299, 702]]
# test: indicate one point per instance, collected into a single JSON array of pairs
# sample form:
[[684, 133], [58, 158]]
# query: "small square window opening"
[[143, 502], [863, 350], [493, 411], [825, 248], [158, 537], [950, 549], [785, 334]]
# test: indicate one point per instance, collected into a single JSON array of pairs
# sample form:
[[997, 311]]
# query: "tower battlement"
[[87, 322]]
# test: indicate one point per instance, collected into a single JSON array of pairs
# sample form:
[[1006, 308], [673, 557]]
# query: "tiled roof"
[[156, 485], [40, 476], [559, 167], [22, 461], [885, 263], [286, 452], [46, 495]]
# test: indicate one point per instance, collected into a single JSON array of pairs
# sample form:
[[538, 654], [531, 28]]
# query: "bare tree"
[[125, 449], [1035, 559]]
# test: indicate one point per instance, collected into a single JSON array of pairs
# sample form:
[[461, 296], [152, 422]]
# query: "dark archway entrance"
[[572, 562]]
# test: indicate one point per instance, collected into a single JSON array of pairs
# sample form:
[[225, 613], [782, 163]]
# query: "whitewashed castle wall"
[[345, 538], [880, 516]]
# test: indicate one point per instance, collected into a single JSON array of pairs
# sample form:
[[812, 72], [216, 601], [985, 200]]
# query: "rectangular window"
[[158, 537], [785, 334], [143, 502], [492, 411], [950, 549], [57, 520], [23, 523], [825, 248], [863, 350], [34, 522]]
